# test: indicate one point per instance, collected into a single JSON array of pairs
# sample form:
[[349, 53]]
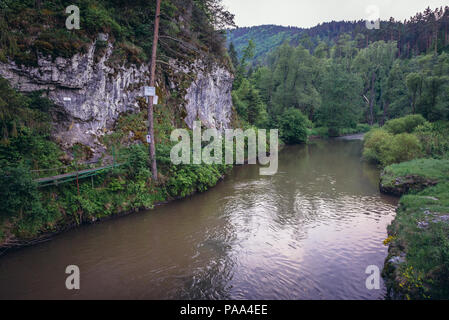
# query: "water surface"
[[308, 232]]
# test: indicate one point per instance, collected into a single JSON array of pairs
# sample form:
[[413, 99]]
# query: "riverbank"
[[324, 132], [246, 231], [417, 266], [12, 244], [113, 192], [125, 190]]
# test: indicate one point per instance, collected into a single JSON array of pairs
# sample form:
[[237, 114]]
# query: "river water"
[[308, 232]]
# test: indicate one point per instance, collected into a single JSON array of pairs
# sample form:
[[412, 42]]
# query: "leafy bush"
[[403, 147], [434, 139], [363, 128], [404, 125], [293, 126], [19, 193], [375, 145], [137, 160], [385, 148]]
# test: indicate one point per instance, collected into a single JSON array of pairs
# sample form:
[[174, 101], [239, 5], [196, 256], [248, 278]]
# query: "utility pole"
[[152, 84]]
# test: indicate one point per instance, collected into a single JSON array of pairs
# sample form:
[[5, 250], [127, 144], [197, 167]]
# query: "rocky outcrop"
[[404, 185], [209, 98], [91, 95]]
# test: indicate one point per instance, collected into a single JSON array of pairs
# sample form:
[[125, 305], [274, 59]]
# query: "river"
[[308, 232]]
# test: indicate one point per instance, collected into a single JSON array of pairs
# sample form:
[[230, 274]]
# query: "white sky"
[[308, 13]]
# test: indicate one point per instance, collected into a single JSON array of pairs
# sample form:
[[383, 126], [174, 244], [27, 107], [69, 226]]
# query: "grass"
[[428, 169], [421, 231]]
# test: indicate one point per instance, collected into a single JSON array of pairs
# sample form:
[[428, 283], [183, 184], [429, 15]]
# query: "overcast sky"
[[308, 13]]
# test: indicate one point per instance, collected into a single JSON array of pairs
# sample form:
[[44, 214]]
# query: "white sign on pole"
[[155, 99], [149, 91], [148, 138]]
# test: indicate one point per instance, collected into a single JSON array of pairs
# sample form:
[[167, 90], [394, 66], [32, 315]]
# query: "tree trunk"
[[385, 115], [371, 104]]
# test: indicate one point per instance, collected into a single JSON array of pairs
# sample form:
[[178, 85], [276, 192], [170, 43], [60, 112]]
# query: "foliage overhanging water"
[[308, 232]]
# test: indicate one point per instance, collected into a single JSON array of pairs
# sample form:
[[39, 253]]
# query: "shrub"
[[404, 125], [375, 143], [137, 160], [384, 148], [434, 139], [293, 127], [403, 147], [19, 193]]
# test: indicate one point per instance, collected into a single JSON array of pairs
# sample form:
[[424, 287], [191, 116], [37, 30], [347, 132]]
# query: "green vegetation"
[[341, 75], [293, 127], [405, 139], [384, 148], [26, 211], [413, 176], [414, 36], [346, 86], [326, 83], [420, 233], [406, 124], [426, 168], [29, 28], [25, 126], [338, 78], [417, 266]]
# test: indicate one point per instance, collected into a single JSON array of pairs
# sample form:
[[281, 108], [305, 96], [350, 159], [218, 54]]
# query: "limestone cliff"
[[91, 94]]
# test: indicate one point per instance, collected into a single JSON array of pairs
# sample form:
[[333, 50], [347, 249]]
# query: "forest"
[[333, 80], [341, 78], [419, 34], [343, 88], [27, 149]]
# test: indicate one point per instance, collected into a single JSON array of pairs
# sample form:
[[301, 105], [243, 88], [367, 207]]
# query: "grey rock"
[[423, 224], [397, 260], [441, 219], [91, 95], [209, 96]]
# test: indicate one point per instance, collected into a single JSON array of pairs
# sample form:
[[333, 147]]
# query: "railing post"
[[113, 156]]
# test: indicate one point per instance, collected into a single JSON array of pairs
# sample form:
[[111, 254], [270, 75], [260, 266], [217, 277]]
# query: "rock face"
[[209, 98], [404, 185], [91, 95]]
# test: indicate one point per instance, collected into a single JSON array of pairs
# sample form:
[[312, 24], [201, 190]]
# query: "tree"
[[296, 76], [414, 85], [341, 99], [396, 93], [293, 126], [249, 105], [242, 70], [374, 64], [428, 106], [233, 56], [19, 193]]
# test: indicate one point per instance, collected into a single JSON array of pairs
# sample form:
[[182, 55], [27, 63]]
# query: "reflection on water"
[[308, 232]]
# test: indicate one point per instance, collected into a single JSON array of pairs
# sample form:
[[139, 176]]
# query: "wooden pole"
[[152, 84]]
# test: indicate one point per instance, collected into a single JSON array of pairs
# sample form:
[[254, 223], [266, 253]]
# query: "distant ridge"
[[414, 36]]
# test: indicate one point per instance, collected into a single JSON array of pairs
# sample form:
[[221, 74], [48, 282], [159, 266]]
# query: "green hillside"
[[414, 36]]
